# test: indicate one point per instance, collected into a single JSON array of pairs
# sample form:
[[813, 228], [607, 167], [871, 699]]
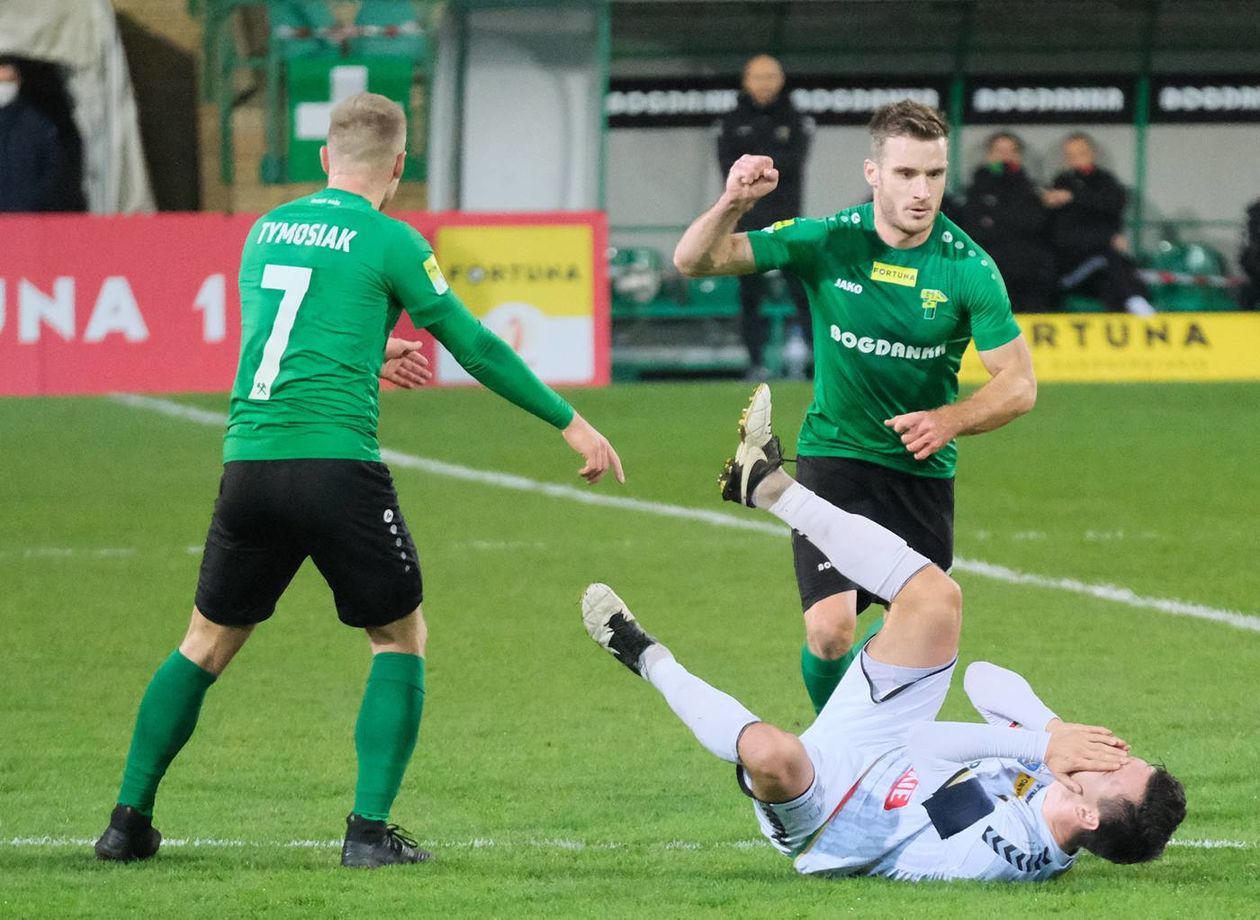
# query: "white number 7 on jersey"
[[294, 281]]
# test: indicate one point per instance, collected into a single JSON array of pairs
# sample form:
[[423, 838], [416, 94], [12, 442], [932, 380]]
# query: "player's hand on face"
[[595, 450], [404, 365], [1074, 748], [923, 433], [751, 178]]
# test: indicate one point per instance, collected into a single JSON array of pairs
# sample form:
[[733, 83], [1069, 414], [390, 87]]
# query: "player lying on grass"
[[876, 786]]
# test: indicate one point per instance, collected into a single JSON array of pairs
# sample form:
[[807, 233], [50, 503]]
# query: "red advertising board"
[[149, 304]]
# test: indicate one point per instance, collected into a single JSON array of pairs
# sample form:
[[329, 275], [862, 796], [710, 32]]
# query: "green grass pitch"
[[548, 780]]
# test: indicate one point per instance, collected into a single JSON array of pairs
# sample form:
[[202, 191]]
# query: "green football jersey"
[[890, 328], [323, 280]]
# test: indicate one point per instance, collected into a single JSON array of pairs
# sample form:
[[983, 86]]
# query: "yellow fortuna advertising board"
[[534, 287], [1106, 347]]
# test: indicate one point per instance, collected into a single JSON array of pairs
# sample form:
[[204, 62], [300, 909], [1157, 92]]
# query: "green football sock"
[[165, 722], [385, 734], [822, 675]]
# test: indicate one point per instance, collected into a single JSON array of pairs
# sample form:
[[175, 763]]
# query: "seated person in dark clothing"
[[1088, 202], [30, 149], [1004, 214]]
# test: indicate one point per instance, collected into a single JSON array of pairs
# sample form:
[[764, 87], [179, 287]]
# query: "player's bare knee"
[[211, 646], [408, 635], [831, 627], [931, 595], [774, 759]]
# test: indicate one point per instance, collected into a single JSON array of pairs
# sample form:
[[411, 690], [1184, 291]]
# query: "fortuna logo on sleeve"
[[435, 274], [931, 297], [780, 224], [894, 274]]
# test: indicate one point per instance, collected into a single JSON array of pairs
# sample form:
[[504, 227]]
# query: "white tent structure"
[[82, 36]]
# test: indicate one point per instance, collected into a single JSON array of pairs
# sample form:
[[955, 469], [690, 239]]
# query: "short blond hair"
[[367, 128], [905, 119]]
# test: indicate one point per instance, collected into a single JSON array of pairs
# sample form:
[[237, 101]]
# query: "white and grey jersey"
[[986, 825]]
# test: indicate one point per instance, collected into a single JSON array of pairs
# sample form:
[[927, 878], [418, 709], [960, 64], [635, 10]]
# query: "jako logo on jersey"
[[899, 795], [894, 274], [931, 297], [845, 284], [881, 347]]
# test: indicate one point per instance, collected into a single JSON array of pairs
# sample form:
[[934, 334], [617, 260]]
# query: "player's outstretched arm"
[[1005, 698], [710, 246], [595, 449], [404, 365]]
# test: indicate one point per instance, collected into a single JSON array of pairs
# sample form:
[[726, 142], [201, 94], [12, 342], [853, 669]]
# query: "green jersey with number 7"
[[323, 281]]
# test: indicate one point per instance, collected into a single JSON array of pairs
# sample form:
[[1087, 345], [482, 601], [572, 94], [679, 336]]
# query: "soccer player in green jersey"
[[323, 280], [896, 292]]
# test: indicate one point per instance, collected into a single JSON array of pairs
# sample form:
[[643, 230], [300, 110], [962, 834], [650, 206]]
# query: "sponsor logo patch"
[[435, 274], [902, 790], [780, 224], [845, 284], [894, 274], [1023, 783]]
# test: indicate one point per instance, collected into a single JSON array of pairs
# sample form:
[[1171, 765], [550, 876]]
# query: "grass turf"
[[550, 781]]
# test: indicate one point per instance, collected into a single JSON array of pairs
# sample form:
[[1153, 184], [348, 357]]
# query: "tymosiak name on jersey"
[[329, 236]]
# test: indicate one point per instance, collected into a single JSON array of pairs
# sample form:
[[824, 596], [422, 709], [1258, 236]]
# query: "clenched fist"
[[751, 179]]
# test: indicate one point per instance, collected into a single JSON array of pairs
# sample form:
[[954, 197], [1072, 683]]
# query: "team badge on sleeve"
[[435, 275]]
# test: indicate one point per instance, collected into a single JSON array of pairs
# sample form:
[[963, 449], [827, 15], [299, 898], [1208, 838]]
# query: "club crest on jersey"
[[436, 277], [931, 297], [902, 790], [894, 274]]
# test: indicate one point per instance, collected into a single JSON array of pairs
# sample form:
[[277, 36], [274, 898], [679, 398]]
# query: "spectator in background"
[[31, 155], [1249, 260], [1086, 232], [1004, 214], [765, 122]]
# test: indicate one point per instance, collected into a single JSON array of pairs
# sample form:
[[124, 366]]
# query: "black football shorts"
[[272, 514], [918, 509]]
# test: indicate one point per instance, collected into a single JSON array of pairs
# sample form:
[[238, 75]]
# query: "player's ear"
[[400, 163], [323, 158], [1086, 816], [870, 169]]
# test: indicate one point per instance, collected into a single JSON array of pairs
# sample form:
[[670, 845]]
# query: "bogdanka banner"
[[1112, 347], [150, 304]]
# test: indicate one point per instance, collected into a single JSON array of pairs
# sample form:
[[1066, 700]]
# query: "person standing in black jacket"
[[30, 149], [764, 122], [1004, 214], [1087, 238]]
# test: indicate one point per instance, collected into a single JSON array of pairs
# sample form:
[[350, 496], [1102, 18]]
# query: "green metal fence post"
[[1141, 122], [603, 54]]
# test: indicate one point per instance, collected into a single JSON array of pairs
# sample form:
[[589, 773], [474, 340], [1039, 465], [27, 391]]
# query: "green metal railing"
[[220, 62]]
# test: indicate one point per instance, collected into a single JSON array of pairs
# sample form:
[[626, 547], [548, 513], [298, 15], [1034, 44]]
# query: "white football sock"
[[871, 555], [715, 718]]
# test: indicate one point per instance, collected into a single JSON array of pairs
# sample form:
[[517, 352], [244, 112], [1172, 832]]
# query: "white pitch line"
[[486, 843], [1112, 593]]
